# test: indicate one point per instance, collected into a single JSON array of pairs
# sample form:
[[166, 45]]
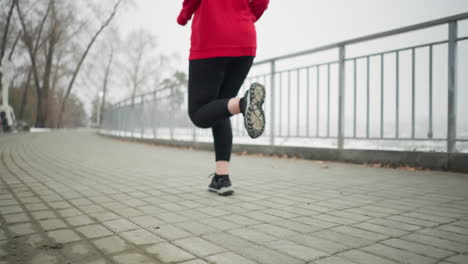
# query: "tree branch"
[[7, 27], [72, 81]]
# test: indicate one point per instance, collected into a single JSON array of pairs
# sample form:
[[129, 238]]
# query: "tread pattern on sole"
[[254, 119]]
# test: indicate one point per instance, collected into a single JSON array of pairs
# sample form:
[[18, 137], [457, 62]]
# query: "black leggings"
[[212, 83]]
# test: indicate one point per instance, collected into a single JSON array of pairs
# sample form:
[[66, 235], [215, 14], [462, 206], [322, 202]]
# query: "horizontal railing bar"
[[307, 67], [398, 139], [388, 33], [463, 38], [398, 50]]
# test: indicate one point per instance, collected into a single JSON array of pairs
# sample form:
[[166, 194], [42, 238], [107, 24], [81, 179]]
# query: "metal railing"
[[339, 100]]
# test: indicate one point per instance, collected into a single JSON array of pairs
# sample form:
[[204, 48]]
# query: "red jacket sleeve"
[[188, 8], [258, 7]]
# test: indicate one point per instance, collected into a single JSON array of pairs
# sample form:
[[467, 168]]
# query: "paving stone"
[[22, 229], [198, 247], [3, 235], [273, 230], [16, 218], [64, 236], [454, 229], [241, 220], [141, 237], [393, 232], [169, 232], [27, 200], [134, 258], [6, 202], [219, 224], [428, 217], [45, 257], [262, 217], [229, 258], [196, 228], [459, 259], [357, 232], [79, 220], [333, 260], [413, 221], [418, 248], [36, 207], [400, 256], [335, 219], [315, 222], [4, 210], [394, 224], [70, 212], [252, 235], [345, 239], [296, 250], [81, 201], [52, 224], [104, 216], [79, 251], [60, 205], [196, 261], [128, 212], [120, 225], [169, 253], [91, 208], [436, 242], [366, 212], [228, 241], [296, 226], [40, 215], [296, 209], [320, 244], [267, 256], [364, 258], [445, 235], [94, 231], [212, 211], [112, 244], [146, 221]]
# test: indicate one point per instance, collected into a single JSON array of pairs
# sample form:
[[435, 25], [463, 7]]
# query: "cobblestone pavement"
[[76, 197]]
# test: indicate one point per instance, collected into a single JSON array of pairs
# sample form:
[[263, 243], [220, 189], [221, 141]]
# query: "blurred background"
[[72, 60]]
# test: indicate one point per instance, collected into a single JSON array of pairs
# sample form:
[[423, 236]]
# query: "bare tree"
[[106, 81], [83, 57], [5, 36], [139, 62], [28, 40]]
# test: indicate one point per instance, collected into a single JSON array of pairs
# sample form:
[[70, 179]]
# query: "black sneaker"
[[220, 184], [254, 116]]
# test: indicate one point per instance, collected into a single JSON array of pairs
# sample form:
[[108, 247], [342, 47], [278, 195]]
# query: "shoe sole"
[[254, 120], [226, 191]]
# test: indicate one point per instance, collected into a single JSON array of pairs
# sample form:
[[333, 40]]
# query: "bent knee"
[[198, 122]]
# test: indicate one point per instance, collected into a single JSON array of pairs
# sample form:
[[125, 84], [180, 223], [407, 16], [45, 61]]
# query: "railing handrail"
[[374, 36], [345, 43]]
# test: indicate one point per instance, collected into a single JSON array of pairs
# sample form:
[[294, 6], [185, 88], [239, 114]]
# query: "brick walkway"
[[76, 197]]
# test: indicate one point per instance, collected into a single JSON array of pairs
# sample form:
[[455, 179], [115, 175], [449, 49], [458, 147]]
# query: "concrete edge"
[[456, 162]]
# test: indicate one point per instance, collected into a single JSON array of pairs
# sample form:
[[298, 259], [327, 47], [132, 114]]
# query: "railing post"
[[172, 113], [452, 87], [154, 114], [142, 116], [341, 91], [272, 102]]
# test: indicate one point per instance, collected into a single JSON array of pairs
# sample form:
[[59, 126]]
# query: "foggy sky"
[[289, 26]]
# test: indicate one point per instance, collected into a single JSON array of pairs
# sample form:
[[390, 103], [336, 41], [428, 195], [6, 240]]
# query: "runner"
[[223, 47]]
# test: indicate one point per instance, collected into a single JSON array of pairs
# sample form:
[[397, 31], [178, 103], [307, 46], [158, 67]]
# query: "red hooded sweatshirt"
[[222, 28]]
